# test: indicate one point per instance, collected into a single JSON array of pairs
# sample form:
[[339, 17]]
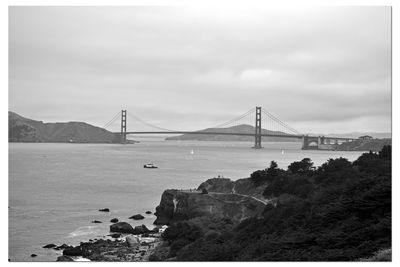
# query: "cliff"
[[178, 205], [22, 129], [243, 128]]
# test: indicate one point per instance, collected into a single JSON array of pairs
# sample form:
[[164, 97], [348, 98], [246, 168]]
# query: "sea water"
[[56, 190]]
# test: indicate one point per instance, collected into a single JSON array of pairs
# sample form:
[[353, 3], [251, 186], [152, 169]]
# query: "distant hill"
[[243, 128], [364, 145], [21, 129], [356, 134]]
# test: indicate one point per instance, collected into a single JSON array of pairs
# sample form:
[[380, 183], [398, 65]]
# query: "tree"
[[386, 152], [301, 167], [333, 165], [273, 169]]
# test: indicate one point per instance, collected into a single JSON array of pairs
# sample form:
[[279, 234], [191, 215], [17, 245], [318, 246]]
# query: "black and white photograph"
[[199, 133]]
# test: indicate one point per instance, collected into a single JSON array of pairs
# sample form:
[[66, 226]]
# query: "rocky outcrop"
[[121, 227], [182, 205], [137, 217], [105, 210], [64, 258], [74, 251], [49, 246], [140, 229]]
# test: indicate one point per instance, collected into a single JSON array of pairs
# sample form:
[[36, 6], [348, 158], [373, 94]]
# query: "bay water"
[[56, 190]]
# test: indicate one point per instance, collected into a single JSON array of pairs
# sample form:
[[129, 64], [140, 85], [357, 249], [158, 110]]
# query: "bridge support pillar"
[[305, 142], [123, 126], [257, 141]]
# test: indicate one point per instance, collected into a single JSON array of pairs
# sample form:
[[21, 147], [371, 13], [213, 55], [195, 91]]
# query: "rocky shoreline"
[[127, 243], [123, 243], [125, 248]]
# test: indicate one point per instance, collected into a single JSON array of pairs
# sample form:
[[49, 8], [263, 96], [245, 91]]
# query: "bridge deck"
[[240, 134]]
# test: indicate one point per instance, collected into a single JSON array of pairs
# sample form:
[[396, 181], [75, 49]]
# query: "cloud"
[[310, 67]]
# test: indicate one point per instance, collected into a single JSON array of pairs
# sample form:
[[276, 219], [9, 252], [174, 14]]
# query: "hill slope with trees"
[[340, 211]]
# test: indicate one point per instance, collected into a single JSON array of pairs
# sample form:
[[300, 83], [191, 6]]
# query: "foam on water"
[[85, 230]]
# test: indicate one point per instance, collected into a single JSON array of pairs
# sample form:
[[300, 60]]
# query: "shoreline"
[[121, 247]]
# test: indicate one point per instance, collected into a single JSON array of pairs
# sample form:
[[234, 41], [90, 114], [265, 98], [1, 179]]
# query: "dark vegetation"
[[340, 211], [365, 145]]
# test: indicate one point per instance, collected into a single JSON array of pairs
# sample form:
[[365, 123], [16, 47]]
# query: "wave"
[[85, 230]]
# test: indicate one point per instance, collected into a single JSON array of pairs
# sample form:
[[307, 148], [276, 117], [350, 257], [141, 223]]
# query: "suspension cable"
[[280, 122], [149, 124], [234, 119], [112, 120]]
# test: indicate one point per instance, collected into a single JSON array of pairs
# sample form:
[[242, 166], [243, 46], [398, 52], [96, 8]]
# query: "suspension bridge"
[[258, 116]]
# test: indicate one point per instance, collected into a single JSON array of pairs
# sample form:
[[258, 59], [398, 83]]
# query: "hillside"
[[243, 128], [340, 211], [21, 129], [364, 145]]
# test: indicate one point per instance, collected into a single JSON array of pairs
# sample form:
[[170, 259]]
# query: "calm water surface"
[[55, 190]]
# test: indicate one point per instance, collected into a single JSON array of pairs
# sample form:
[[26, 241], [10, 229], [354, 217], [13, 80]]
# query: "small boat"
[[150, 166], [283, 152], [192, 152]]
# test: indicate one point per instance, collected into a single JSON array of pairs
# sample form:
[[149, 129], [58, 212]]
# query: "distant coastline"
[[24, 130]]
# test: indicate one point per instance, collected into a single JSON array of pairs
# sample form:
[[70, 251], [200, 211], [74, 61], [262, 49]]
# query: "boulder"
[[115, 220], [50, 246], [105, 210], [96, 221], [64, 258], [63, 246], [121, 227], [141, 229], [132, 241], [148, 212], [115, 235], [74, 251], [137, 217]]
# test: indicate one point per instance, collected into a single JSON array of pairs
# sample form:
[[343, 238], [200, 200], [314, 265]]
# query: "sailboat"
[[192, 152], [283, 152]]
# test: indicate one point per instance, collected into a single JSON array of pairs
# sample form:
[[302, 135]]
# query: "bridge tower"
[[123, 126], [257, 142]]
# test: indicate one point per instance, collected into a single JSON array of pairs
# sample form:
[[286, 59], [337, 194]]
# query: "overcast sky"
[[325, 70]]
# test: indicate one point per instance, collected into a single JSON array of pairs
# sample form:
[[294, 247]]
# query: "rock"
[[64, 258], [63, 246], [132, 241], [148, 212], [33, 255], [141, 229], [74, 251], [105, 210], [137, 217], [121, 227], [50, 246], [96, 221], [115, 220], [115, 235]]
